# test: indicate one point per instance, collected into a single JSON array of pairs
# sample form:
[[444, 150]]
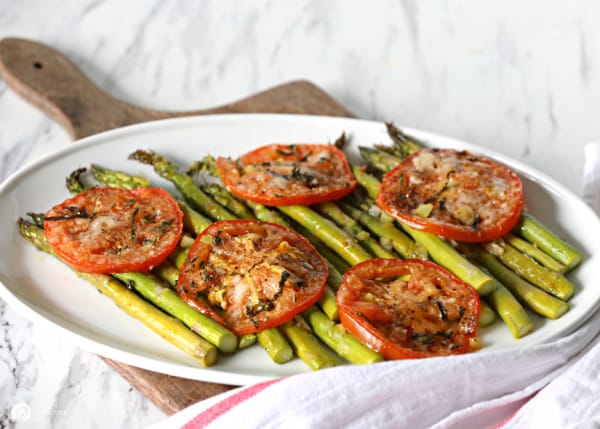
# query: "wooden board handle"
[[48, 80]]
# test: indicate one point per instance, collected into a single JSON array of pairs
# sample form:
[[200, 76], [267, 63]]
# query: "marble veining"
[[520, 78]]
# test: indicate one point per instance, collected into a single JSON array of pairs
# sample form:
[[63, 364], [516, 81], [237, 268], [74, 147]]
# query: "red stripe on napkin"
[[210, 414], [508, 418]]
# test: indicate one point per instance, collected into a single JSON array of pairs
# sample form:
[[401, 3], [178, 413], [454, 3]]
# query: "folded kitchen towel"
[[547, 385]]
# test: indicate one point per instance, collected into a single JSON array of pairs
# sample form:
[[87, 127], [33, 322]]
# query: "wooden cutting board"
[[51, 82]]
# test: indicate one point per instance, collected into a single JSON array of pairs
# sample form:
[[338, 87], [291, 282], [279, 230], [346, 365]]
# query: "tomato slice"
[[454, 194], [109, 230], [296, 174], [257, 275], [408, 308]]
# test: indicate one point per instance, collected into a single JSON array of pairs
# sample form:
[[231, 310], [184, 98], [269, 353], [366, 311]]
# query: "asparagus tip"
[[143, 156]]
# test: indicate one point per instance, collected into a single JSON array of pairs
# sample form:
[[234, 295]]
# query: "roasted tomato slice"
[[454, 194], [279, 174], [408, 308], [109, 230], [256, 275]]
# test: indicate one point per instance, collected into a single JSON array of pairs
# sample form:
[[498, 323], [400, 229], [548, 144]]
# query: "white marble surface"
[[520, 77]]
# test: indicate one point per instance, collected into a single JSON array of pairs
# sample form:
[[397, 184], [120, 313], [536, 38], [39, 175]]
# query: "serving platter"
[[47, 292]]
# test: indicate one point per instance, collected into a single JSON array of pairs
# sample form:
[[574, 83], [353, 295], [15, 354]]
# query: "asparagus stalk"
[[267, 214], [510, 311], [486, 315], [336, 214], [550, 281], [339, 340], [178, 257], [540, 235], [227, 200], [164, 325], [399, 241], [335, 262], [335, 238], [534, 252], [328, 303], [379, 159], [74, 183], [167, 299], [369, 182], [117, 179], [276, 345], [184, 183], [306, 346], [404, 144], [246, 341], [168, 272], [445, 255], [192, 220], [535, 298]]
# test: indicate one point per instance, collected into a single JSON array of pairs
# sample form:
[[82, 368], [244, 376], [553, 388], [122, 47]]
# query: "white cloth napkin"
[[555, 385]]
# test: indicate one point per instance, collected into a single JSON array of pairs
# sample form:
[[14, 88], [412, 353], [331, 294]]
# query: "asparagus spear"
[[276, 345], [246, 340], [510, 310], [379, 159], [369, 182], [535, 232], [227, 200], [335, 262], [442, 253], [193, 221], [339, 340], [550, 281], [534, 252], [168, 272], [399, 241], [328, 303], [164, 325], [184, 183], [306, 346], [487, 315], [117, 179], [535, 298], [167, 299], [335, 238], [74, 183], [336, 214], [404, 144]]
